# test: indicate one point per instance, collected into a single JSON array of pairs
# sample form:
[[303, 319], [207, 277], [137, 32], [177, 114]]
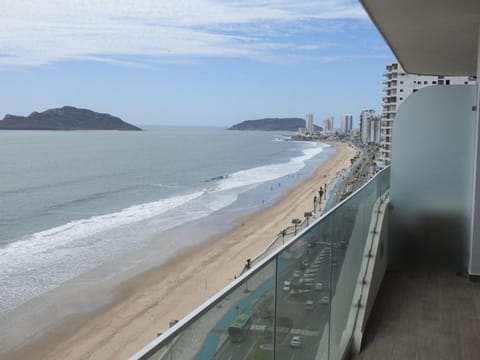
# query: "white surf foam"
[[66, 234], [271, 172]]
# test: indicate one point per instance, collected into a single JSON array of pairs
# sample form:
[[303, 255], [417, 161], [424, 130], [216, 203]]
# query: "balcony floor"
[[424, 314]]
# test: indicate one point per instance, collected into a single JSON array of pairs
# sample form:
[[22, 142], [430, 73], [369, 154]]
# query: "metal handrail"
[[172, 332]]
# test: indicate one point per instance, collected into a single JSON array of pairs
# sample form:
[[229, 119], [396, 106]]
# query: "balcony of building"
[[384, 159], [386, 147], [428, 307], [389, 106]]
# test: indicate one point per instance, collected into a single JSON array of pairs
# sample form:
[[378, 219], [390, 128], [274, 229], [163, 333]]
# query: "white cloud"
[[36, 32]]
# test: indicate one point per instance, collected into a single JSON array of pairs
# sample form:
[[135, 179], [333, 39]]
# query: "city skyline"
[[195, 63]]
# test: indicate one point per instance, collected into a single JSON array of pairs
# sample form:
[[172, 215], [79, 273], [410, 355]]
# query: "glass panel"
[[432, 172], [300, 305], [303, 283], [238, 327], [349, 234]]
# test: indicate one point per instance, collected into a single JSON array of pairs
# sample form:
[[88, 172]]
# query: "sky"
[[191, 62]]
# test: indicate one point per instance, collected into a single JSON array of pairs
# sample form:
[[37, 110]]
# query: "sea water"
[[73, 202]]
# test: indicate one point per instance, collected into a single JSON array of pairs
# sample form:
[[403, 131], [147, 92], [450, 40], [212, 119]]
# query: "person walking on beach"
[[314, 203]]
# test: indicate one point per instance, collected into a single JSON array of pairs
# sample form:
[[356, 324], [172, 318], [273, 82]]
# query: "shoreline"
[[143, 305]]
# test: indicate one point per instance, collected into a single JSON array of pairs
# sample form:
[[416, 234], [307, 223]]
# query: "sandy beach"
[[144, 305]]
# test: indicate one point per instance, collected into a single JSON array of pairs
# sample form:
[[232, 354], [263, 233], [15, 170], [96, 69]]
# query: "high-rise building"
[[370, 126], [375, 126], [399, 85], [328, 125], [309, 123], [346, 123]]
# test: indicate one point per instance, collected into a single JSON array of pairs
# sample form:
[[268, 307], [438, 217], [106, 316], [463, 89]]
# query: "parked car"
[[296, 341]]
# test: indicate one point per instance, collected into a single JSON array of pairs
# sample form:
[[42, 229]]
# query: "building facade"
[[309, 123], [370, 123], [328, 125], [398, 85], [346, 123]]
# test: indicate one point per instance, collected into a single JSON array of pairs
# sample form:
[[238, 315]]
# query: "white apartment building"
[[309, 123], [346, 123], [398, 86], [328, 125], [375, 127], [370, 123]]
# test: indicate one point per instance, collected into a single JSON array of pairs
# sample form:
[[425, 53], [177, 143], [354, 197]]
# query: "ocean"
[[77, 207]]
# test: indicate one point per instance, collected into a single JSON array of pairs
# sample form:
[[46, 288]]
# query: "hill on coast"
[[272, 124], [65, 118]]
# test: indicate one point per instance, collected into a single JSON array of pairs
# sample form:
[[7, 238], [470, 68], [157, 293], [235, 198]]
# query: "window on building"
[[401, 90], [441, 77], [466, 82], [425, 82], [440, 82], [415, 90], [447, 82], [434, 82], [401, 82], [401, 98]]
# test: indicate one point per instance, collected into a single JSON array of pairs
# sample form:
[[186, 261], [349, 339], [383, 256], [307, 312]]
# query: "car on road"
[[297, 273], [309, 305], [296, 341], [318, 286], [325, 300], [287, 285]]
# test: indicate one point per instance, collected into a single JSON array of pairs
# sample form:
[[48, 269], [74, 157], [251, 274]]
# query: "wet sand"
[[144, 305]]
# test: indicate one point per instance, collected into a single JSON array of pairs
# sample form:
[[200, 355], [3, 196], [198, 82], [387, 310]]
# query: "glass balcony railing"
[[295, 303]]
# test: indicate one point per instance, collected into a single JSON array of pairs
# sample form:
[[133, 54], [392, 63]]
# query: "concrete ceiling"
[[430, 37]]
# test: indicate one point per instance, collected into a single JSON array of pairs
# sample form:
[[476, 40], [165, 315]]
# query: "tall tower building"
[[328, 125], [346, 123], [309, 123], [370, 126], [398, 86], [375, 124]]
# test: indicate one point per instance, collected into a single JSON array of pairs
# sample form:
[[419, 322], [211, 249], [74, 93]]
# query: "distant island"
[[272, 124], [65, 118]]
